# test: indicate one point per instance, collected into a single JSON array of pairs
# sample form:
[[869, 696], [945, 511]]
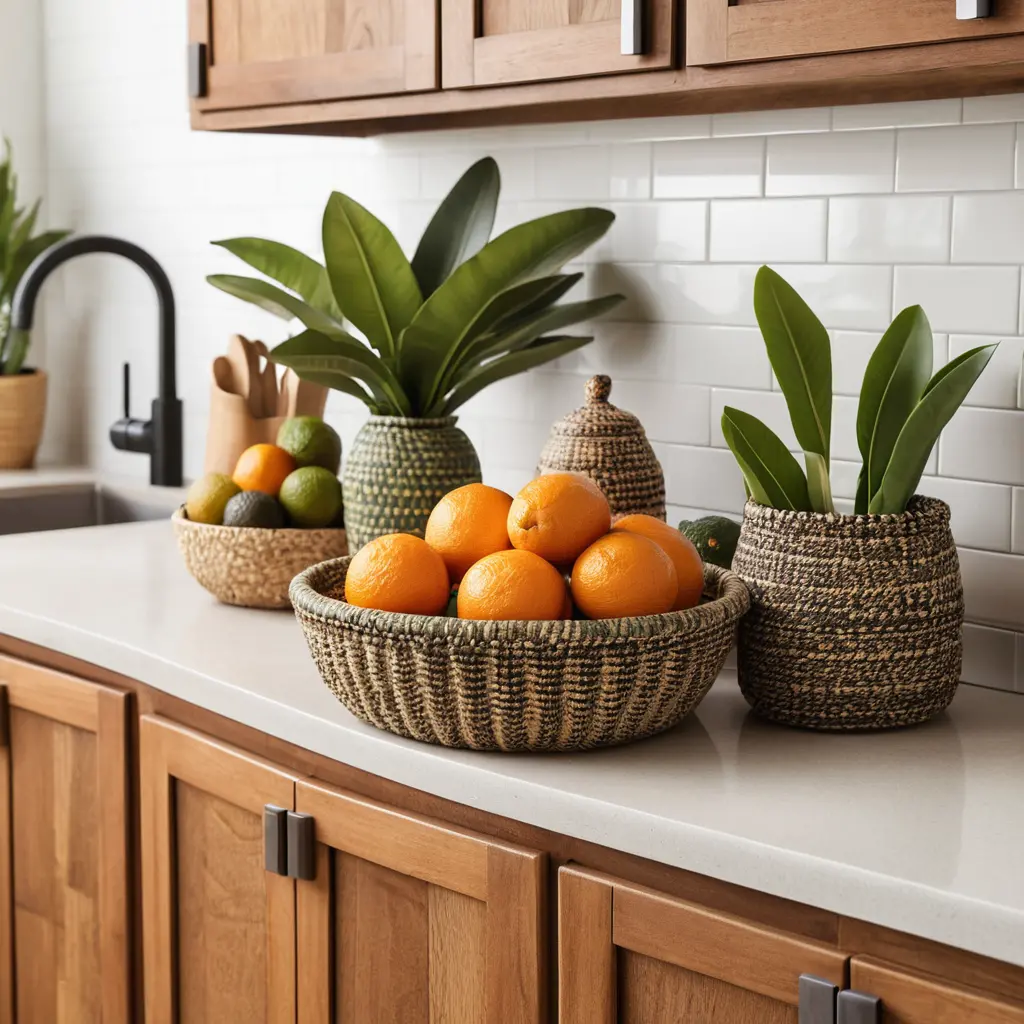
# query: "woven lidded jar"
[[610, 446]]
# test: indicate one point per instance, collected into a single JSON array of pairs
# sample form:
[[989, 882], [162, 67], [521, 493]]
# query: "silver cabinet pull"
[[858, 1008], [817, 1000], [633, 26], [968, 10]]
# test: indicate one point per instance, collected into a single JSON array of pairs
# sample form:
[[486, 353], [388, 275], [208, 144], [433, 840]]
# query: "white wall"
[[864, 209]]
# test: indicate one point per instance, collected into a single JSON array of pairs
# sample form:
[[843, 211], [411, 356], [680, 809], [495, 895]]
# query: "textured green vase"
[[398, 469]]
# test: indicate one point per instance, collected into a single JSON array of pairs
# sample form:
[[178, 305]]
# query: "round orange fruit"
[[557, 516], [624, 574], [398, 573], [263, 467], [685, 557], [467, 524], [512, 585]]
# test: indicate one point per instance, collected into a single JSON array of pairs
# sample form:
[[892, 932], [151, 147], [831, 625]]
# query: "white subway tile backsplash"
[[989, 657], [889, 229], [673, 413], [1019, 160], [984, 444], [980, 512], [999, 385], [965, 157], [768, 406], [993, 584], [702, 294], [856, 297], [1017, 531], [1009, 107], [582, 173], [897, 115], [768, 230], [708, 168], [674, 232], [702, 477], [630, 171], [724, 356], [988, 227], [962, 299], [772, 122], [830, 164]]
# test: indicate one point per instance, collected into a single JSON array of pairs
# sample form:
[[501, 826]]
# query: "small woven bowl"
[[251, 567], [566, 685]]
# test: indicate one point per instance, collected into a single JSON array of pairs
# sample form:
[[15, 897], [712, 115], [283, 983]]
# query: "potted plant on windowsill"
[[855, 620], [22, 388], [464, 313]]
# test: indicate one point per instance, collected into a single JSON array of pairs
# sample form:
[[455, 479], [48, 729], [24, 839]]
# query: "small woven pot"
[[251, 567], [22, 411], [516, 685], [399, 469], [610, 446], [855, 621]]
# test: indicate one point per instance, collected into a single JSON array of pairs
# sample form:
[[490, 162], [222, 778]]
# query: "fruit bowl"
[[249, 566], [540, 685]]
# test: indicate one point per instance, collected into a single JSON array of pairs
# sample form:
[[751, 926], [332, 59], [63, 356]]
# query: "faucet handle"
[[127, 391], [128, 434]]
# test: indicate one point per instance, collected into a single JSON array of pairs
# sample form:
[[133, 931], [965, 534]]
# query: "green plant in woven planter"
[[465, 312], [855, 620]]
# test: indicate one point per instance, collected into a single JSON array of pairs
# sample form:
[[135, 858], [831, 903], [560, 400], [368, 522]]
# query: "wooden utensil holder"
[[232, 429]]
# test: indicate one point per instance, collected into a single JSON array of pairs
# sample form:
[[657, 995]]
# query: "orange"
[[685, 557], [512, 585], [624, 574], [398, 573], [263, 467], [467, 524], [557, 515]]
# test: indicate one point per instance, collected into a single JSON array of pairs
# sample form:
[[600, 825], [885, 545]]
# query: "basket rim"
[[919, 507], [413, 422], [180, 519], [725, 609]]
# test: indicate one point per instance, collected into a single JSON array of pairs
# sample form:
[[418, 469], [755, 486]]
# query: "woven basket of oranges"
[[522, 624]]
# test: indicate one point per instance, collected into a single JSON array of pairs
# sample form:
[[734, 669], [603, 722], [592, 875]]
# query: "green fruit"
[[208, 496], [311, 442], [714, 537], [254, 509], [311, 496]]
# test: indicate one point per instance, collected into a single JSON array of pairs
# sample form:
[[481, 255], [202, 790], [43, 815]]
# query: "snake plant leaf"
[[896, 376], [370, 276], [819, 487], [543, 350], [772, 473], [294, 270], [460, 227], [277, 301], [801, 356], [942, 397], [534, 249]]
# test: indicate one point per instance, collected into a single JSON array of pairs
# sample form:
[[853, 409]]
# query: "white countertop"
[[920, 830]]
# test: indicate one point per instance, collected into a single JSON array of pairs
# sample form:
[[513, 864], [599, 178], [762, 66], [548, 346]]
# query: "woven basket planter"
[[22, 411], [516, 685], [399, 469], [248, 566], [855, 621]]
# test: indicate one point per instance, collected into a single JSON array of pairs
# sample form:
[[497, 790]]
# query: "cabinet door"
[[727, 32], [412, 922], [64, 884], [492, 42], [259, 53], [218, 928], [631, 955], [909, 998]]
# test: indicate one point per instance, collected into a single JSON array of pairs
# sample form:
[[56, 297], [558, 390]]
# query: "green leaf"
[[860, 506], [277, 301], [20, 235], [894, 381], [460, 227], [535, 249], [774, 477], [295, 270], [541, 351], [15, 350], [23, 260], [370, 276], [801, 356], [943, 396], [819, 487]]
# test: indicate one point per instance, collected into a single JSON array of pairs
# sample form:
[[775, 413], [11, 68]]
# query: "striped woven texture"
[[398, 470], [516, 685], [855, 621]]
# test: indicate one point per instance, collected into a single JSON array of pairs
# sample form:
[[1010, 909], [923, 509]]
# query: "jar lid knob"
[[599, 388]]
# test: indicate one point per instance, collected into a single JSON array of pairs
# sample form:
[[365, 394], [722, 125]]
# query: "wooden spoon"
[[245, 366]]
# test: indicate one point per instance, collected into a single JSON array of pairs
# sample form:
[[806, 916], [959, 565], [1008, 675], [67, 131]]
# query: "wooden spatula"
[[268, 380], [245, 369]]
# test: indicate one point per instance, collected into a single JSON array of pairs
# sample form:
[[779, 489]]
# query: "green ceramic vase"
[[397, 471]]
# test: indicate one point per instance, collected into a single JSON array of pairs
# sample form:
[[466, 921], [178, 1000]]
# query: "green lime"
[[311, 496], [311, 442], [254, 509], [207, 497]]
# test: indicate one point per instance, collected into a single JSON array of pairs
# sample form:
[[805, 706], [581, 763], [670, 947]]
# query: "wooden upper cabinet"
[[630, 955], [909, 998], [724, 32], [409, 921], [64, 876], [496, 42], [268, 52]]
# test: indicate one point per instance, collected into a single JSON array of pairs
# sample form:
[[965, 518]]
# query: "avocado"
[[714, 537]]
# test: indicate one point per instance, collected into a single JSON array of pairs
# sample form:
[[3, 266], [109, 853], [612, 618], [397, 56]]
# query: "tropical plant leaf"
[[801, 356], [541, 351], [20, 234], [943, 396], [277, 301], [460, 226], [556, 287], [23, 260], [819, 487], [772, 473], [896, 376], [370, 276], [861, 502]]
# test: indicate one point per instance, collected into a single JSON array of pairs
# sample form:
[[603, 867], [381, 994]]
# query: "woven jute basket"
[[248, 566], [855, 621], [610, 446], [22, 411], [399, 469], [516, 685]]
